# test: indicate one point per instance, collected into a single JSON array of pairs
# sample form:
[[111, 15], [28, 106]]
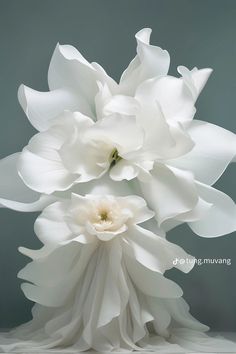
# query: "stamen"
[[104, 216], [114, 158]]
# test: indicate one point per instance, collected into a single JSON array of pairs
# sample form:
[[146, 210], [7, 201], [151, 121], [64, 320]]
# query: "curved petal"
[[162, 318], [104, 186], [155, 252], [151, 61], [42, 107], [80, 155], [14, 194], [179, 311], [63, 287], [151, 283], [68, 68], [44, 175], [163, 140], [51, 266], [170, 192], [173, 96], [214, 149], [40, 164], [138, 207], [124, 170], [195, 79], [50, 226], [121, 104], [220, 219], [115, 130]]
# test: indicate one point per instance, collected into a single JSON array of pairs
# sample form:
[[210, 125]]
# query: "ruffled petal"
[[220, 219], [64, 286], [151, 283], [121, 104], [42, 108], [115, 130], [14, 194], [154, 252], [174, 99], [69, 69], [151, 61], [40, 164], [50, 226], [46, 269], [195, 79], [179, 312], [170, 192], [214, 149], [124, 170], [43, 175]]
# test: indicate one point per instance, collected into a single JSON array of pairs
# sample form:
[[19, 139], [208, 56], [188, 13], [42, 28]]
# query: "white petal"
[[68, 68], [173, 96], [51, 227], [44, 175], [151, 283], [137, 206], [170, 192], [104, 186], [115, 130], [162, 140], [197, 213], [195, 79], [121, 104], [220, 219], [162, 317], [42, 107], [83, 156], [154, 252], [45, 293], [47, 270], [14, 194], [179, 311], [110, 302], [102, 97], [123, 169], [214, 149], [151, 61]]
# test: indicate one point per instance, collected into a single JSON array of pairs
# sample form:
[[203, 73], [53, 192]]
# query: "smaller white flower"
[[93, 219], [98, 261]]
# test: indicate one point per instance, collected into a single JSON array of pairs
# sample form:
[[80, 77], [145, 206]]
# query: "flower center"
[[104, 216], [114, 157]]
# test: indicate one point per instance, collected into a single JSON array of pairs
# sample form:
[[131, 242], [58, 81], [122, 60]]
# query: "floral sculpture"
[[113, 167]]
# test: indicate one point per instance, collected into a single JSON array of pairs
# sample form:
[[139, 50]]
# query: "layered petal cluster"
[[140, 129], [107, 273], [113, 167]]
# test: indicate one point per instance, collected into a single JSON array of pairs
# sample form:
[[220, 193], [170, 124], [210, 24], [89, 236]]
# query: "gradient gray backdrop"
[[196, 33]]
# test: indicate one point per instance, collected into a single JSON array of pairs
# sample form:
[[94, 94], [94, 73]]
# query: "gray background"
[[196, 33]]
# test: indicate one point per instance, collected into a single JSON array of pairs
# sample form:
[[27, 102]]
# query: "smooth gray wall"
[[196, 33]]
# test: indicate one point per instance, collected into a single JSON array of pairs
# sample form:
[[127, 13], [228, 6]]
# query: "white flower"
[[100, 262], [173, 172], [143, 128]]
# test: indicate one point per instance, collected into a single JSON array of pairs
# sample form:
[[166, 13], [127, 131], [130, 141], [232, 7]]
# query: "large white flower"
[[173, 167], [141, 128]]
